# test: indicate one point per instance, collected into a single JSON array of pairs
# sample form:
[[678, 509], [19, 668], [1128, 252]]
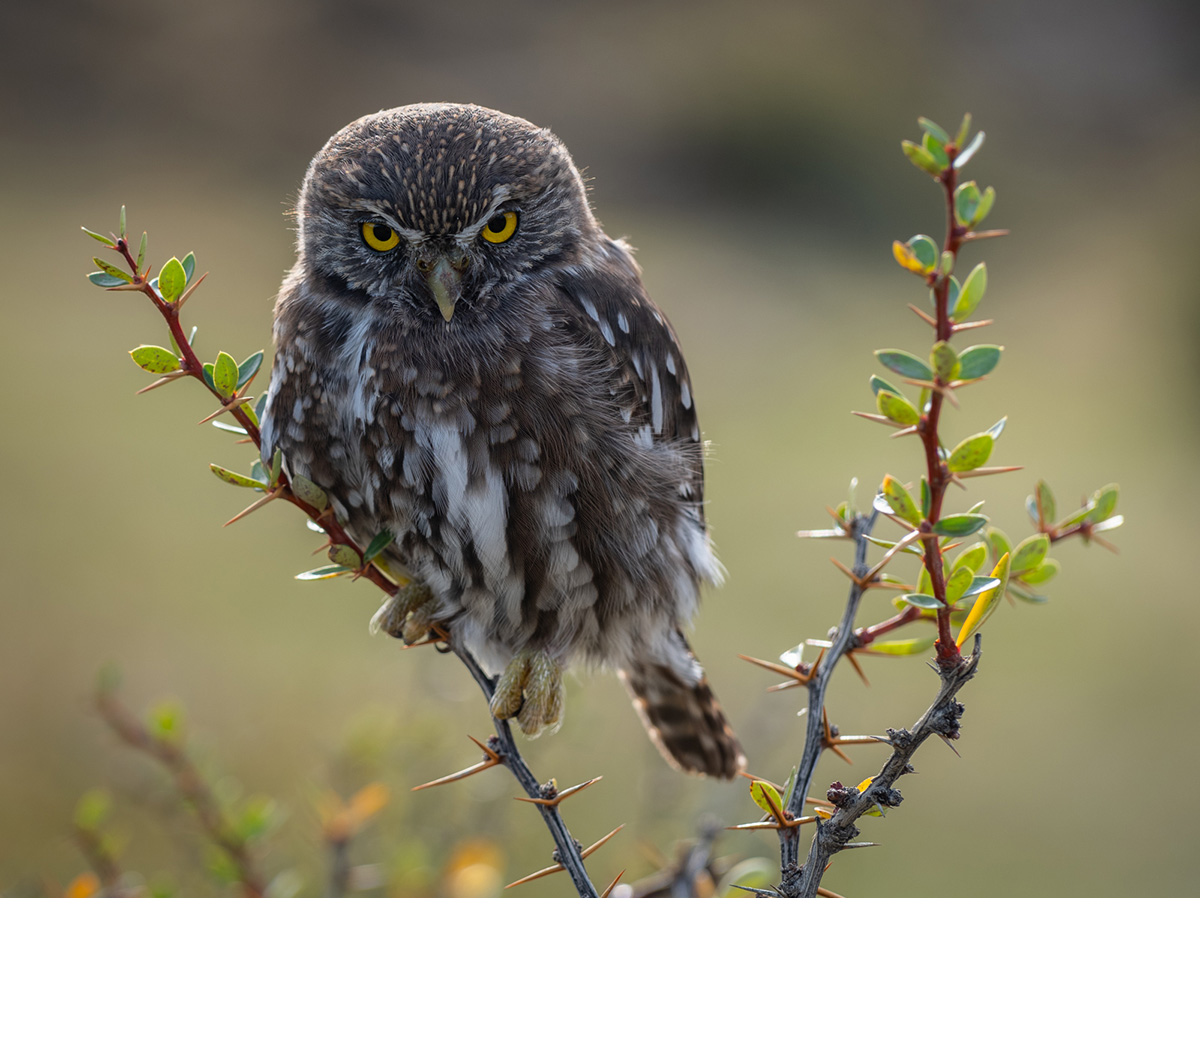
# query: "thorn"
[[883, 420], [950, 744], [607, 891], [787, 824], [970, 324], [270, 496], [907, 431], [783, 671], [188, 293], [825, 893], [923, 315], [236, 402], [491, 759], [857, 668], [762, 893], [784, 686], [987, 471], [560, 796], [759, 778], [558, 866], [863, 844], [164, 380], [944, 390], [985, 234], [829, 738], [860, 583]]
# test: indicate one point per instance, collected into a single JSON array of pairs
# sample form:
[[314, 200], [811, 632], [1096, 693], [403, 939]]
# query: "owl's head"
[[437, 208]]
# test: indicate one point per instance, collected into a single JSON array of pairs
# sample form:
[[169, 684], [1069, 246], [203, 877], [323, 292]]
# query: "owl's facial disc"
[[443, 270]]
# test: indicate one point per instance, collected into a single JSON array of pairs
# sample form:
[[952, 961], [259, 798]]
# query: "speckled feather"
[[538, 456]]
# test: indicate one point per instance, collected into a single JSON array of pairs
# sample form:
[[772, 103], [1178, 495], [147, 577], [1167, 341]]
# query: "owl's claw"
[[531, 689], [408, 615]]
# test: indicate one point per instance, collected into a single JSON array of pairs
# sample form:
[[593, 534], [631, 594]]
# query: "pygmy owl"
[[466, 360]]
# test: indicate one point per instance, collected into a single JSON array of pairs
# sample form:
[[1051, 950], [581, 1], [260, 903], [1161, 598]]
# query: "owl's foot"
[[408, 615], [531, 689]]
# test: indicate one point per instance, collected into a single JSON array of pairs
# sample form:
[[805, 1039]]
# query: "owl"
[[465, 360]]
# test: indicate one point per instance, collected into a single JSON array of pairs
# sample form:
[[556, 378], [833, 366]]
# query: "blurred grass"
[[1076, 729]]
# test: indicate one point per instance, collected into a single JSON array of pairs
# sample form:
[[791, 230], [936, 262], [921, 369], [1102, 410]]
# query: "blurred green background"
[[750, 152]]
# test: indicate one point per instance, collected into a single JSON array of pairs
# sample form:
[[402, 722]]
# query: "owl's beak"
[[445, 284]]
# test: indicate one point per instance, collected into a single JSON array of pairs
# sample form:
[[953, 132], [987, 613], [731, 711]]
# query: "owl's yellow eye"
[[379, 237], [500, 227]]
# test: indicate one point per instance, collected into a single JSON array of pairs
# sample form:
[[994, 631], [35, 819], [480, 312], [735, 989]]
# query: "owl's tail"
[[680, 712]]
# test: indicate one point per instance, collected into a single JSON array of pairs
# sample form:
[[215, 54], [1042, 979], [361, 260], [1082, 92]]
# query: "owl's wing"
[[647, 378]]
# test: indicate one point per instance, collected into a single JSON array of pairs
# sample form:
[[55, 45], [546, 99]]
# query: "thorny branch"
[[837, 832], [567, 850]]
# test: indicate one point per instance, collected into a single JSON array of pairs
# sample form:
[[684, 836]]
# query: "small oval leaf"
[[972, 293], [230, 477], [945, 361], [970, 453], [958, 524], [305, 490], [171, 280], [912, 646], [977, 361], [1030, 553], [924, 601], [907, 364], [225, 374], [764, 795], [897, 408], [155, 359], [899, 501]]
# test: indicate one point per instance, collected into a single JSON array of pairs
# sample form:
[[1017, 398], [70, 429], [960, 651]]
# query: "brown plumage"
[[466, 360]]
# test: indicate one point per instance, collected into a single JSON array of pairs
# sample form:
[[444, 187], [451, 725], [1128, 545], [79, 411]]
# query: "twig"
[[192, 788]]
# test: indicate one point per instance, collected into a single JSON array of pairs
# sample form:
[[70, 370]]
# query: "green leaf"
[[1104, 503], [897, 408], [978, 361], [921, 158], [113, 271], [376, 546], [760, 792], [945, 361], [906, 364], [345, 556], [997, 428], [998, 543], [141, 255], [305, 490], [237, 479], [959, 524], [926, 498], [925, 251], [248, 368], [165, 722], [932, 129], [1029, 553], [980, 584], [327, 571], [970, 151], [171, 280], [92, 809], [155, 359], [964, 129], [984, 208], [189, 267], [924, 601], [99, 236], [972, 557], [273, 476], [105, 280], [1109, 523], [936, 150], [957, 584], [911, 646], [970, 453], [878, 383], [257, 817], [899, 501], [1045, 498], [972, 293], [1044, 572], [208, 377], [259, 472], [225, 374], [121, 224], [966, 203]]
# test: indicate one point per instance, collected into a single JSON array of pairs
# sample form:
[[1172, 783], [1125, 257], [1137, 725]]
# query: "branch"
[[814, 743], [836, 833]]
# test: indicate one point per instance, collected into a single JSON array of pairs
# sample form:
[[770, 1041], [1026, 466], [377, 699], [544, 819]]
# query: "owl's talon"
[[531, 689], [406, 616]]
